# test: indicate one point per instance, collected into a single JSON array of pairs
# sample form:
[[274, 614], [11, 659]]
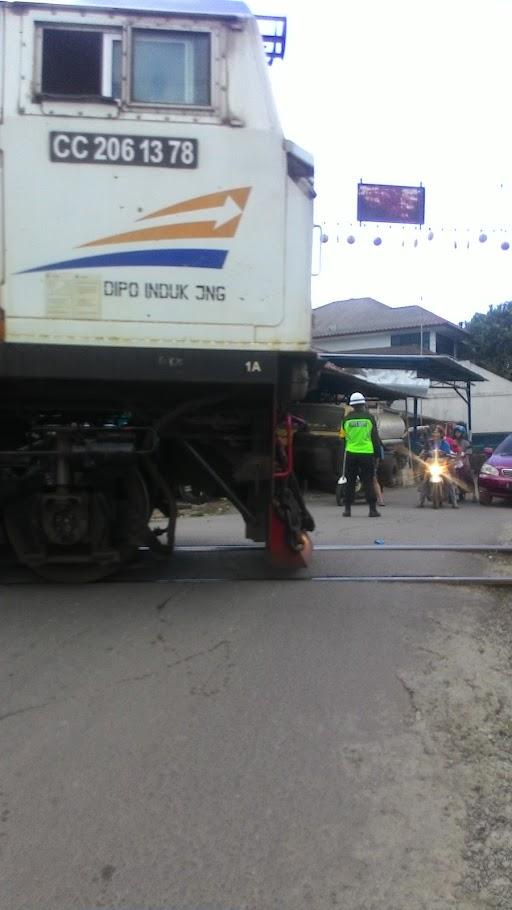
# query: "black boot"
[[347, 513], [373, 513]]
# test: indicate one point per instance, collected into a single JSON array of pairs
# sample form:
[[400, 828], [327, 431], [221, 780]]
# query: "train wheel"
[[80, 536]]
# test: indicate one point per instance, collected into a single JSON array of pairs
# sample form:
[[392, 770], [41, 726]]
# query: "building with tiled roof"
[[366, 325]]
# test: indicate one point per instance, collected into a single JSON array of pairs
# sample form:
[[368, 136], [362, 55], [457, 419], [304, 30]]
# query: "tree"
[[491, 339]]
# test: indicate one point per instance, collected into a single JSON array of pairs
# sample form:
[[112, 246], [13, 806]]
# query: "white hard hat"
[[357, 398]]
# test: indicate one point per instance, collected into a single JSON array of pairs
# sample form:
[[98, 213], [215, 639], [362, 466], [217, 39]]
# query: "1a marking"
[[252, 366]]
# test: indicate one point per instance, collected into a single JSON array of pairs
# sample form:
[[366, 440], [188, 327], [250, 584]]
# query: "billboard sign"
[[394, 204]]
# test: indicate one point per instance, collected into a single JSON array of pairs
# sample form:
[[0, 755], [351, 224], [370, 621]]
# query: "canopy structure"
[[436, 367], [442, 372], [338, 381]]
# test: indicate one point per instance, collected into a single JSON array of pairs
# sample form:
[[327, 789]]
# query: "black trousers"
[[364, 467]]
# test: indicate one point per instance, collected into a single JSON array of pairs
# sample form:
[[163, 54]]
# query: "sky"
[[405, 92]]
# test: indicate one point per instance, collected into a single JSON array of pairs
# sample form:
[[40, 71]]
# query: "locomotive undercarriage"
[[84, 485]]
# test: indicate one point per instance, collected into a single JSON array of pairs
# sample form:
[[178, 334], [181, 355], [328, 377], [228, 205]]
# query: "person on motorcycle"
[[437, 447], [461, 441], [462, 446], [451, 442], [436, 441], [362, 446]]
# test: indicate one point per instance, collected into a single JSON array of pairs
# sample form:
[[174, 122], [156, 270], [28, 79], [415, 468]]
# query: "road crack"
[[17, 711]]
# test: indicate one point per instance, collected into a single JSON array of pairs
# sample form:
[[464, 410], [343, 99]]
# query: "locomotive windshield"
[[167, 67], [78, 63], [171, 67]]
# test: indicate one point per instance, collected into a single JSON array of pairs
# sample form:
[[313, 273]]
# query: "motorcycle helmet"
[[460, 429], [357, 398]]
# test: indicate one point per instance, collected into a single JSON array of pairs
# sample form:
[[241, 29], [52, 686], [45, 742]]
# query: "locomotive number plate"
[[111, 148]]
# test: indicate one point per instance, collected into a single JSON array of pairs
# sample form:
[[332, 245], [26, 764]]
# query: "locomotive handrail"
[[274, 41]]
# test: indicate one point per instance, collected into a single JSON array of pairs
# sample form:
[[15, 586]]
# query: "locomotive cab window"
[[79, 63], [171, 68]]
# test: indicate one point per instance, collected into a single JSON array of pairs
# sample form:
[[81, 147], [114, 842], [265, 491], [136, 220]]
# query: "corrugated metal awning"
[[340, 382], [436, 367]]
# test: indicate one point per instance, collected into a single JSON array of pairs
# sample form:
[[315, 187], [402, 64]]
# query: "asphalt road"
[[258, 744]]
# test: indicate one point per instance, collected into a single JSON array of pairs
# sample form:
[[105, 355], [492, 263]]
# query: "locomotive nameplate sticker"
[[73, 297], [112, 148]]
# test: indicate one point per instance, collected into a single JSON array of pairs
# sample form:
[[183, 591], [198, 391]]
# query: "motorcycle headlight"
[[435, 471], [489, 469]]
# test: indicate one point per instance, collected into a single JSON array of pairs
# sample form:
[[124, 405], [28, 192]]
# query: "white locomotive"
[[155, 274]]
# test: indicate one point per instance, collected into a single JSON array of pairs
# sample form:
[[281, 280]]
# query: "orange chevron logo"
[[224, 208]]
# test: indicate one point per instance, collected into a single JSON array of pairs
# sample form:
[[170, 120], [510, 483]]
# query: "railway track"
[[333, 563]]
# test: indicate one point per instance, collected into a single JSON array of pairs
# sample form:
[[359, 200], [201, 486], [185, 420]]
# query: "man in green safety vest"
[[362, 447]]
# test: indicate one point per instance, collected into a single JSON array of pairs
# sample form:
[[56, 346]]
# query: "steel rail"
[[335, 548], [328, 548], [494, 581], [133, 573], [497, 581]]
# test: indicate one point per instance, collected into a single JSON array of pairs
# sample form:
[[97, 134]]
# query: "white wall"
[[491, 403], [349, 343], [370, 340]]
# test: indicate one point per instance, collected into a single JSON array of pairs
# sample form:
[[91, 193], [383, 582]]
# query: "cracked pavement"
[[260, 746]]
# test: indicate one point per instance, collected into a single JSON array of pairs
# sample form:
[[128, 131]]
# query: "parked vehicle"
[[319, 451], [495, 478]]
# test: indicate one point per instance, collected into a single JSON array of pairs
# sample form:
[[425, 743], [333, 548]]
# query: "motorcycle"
[[438, 485]]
